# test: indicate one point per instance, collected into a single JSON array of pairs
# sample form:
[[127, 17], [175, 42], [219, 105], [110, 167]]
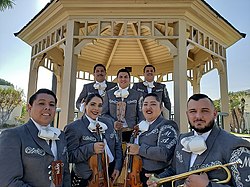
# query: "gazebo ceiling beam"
[[140, 44], [116, 43]]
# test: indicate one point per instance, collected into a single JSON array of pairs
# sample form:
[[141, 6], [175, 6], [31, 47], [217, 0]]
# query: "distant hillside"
[[247, 91], [5, 83]]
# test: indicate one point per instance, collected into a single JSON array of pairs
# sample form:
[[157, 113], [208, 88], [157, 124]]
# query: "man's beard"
[[205, 129]]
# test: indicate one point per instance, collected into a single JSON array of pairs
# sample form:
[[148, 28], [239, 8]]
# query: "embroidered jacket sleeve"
[[135, 86], [77, 151], [66, 172], [164, 148], [82, 95], [105, 107], [11, 170], [234, 149], [139, 109], [240, 172], [170, 171], [166, 99]]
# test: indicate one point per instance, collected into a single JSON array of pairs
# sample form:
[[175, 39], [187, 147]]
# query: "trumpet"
[[185, 175]]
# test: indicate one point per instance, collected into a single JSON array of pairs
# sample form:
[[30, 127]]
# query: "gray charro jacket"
[[158, 143], [24, 158], [222, 148], [81, 145], [160, 90], [89, 89], [133, 114]]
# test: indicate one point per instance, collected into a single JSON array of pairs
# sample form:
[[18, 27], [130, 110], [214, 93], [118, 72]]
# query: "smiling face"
[[201, 115], [43, 109], [123, 79], [99, 74], [94, 108], [149, 73], [151, 108]]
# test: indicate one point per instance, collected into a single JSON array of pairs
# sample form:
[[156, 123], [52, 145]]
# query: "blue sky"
[[15, 54]]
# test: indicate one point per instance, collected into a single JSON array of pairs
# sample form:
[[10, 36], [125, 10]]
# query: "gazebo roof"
[[203, 1], [123, 52]]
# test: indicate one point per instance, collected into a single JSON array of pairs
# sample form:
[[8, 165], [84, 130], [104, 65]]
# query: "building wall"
[[247, 106], [247, 112]]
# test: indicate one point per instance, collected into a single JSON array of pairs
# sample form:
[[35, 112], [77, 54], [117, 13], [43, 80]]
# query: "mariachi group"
[[123, 131], [123, 137]]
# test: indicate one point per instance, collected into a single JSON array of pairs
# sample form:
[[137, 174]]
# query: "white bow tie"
[[100, 86], [92, 126], [195, 144], [149, 84], [143, 126], [49, 133], [123, 93], [103, 128]]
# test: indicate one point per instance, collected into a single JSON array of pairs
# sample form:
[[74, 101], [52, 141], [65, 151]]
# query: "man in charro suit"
[[206, 146], [133, 100], [150, 86], [100, 86], [27, 151]]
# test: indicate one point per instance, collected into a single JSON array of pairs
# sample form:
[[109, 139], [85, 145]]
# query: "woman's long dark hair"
[[91, 96]]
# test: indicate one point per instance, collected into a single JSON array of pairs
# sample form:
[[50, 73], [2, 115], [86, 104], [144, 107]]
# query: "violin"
[[99, 165], [133, 165]]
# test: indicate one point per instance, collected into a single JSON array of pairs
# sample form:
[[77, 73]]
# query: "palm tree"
[[4, 4], [237, 109]]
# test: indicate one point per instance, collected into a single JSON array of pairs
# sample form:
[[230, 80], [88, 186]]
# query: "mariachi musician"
[[207, 146], [100, 85], [28, 151], [84, 144], [157, 138], [125, 100], [151, 86]]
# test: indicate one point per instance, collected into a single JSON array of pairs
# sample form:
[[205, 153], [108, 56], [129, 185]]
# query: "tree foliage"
[[234, 100], [236, 109], [4, 4], [4, 82], [9, 100]]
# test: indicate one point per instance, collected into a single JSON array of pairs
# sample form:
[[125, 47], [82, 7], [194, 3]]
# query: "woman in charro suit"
[[157, 138], [83, 142]]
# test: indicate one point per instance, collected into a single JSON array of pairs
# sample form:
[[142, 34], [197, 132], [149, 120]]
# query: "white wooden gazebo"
[[183, 39]]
